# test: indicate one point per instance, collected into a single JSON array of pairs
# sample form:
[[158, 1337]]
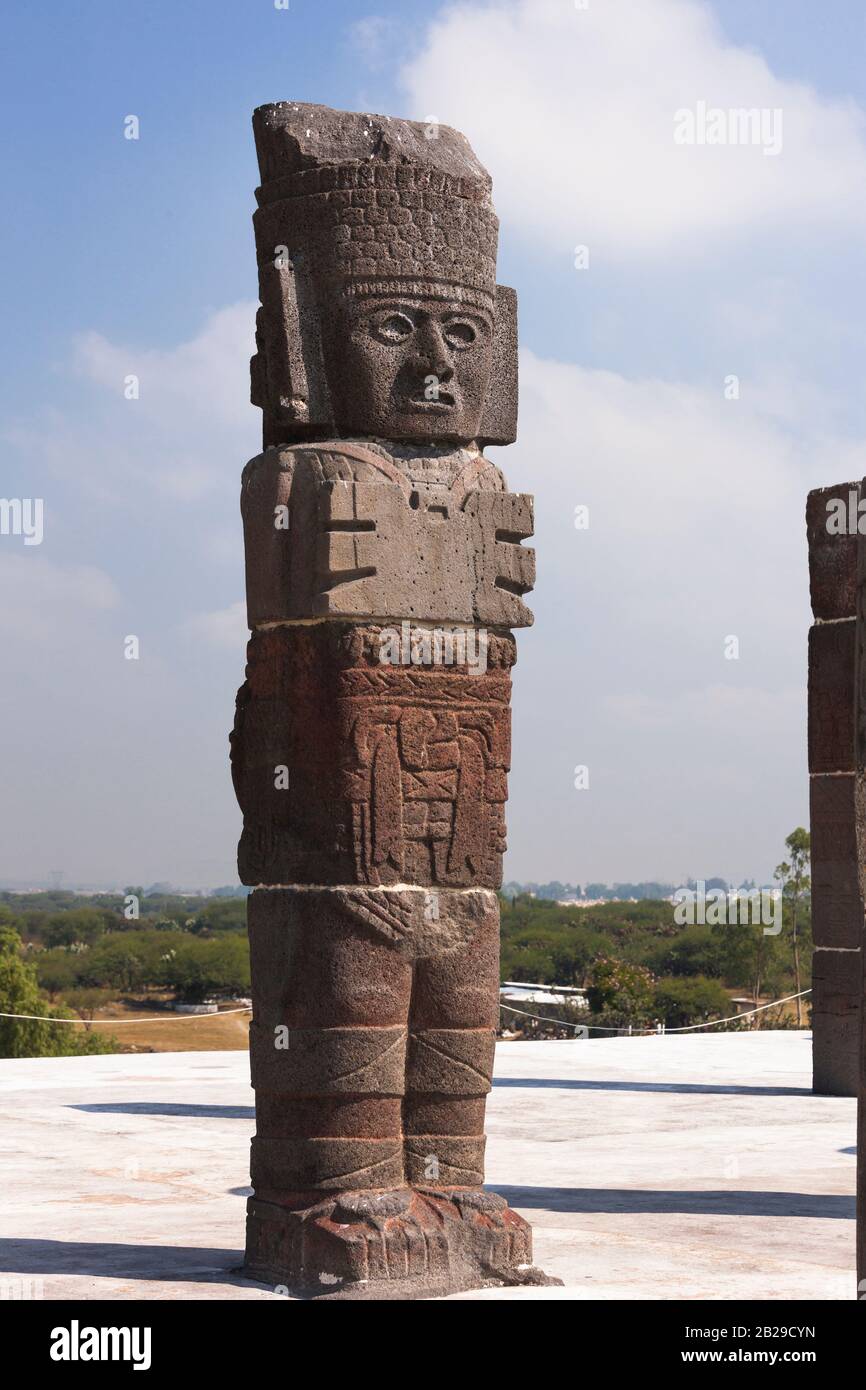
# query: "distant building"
[[521, 991]]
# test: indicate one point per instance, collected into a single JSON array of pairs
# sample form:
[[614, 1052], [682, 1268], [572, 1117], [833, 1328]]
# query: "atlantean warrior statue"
[[371, 745]]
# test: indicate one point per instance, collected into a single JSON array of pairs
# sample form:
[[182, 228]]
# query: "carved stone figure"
[[837, 908], [372, 737], [859, 817]]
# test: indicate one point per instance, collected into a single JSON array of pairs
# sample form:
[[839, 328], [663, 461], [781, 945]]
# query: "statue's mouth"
[[443, 400]]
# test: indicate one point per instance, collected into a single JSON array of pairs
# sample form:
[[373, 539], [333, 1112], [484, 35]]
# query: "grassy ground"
[[178, 1032], [219, 1032]]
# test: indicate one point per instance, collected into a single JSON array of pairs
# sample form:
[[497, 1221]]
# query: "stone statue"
[[371, 741], [837, 908]]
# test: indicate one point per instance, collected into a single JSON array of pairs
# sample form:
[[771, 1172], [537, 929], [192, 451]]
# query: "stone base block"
[[403, 1244]]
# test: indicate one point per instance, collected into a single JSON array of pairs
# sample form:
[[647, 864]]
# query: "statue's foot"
[[496, 1241], [406, 1243], [354, 1244]]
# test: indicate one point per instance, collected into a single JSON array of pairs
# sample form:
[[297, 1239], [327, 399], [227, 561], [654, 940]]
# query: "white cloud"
[[674, 474], [44, 598], [711, 707], [372, 38], [573, 112], [186, 432], [224, 628], [696, 533], [118, 769], [205, 379]]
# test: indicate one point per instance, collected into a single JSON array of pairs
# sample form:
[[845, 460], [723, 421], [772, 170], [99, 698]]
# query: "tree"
[[621, 992], [223, 915], [795, 884], [574, 954], [83, 924], [698, 950], [196, 968], [19, 994], [85, 1003], [56, 971], [117, 960], [683, 1000], [765, 953]]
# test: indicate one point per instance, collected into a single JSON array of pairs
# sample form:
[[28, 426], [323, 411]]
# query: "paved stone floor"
[[697, 1166]]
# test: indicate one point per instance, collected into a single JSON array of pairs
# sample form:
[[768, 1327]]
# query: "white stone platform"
[[682, 1167]]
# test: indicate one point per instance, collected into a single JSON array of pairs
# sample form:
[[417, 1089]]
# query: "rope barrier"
[[540, 1018], [748, 1013], [652, 1032], [561, 1022], [119, 1022]]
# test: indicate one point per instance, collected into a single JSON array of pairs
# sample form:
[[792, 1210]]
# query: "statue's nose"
[[433, 351]]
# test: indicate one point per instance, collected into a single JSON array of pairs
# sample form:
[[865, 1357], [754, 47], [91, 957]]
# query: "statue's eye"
[[461, 333], [396, 328]]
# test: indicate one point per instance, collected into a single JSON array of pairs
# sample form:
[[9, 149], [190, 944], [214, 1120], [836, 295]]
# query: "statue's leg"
[[328, 1048], [328, 1057], [452, 1024], [452, 1034]]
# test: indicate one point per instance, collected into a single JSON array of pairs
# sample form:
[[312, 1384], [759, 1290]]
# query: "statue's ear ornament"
[[499, 421], [287, 373]]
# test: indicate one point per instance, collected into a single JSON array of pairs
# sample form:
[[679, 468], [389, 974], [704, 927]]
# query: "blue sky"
[[137, 257]]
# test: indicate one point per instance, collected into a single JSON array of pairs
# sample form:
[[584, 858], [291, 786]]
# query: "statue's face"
[[410, 369]]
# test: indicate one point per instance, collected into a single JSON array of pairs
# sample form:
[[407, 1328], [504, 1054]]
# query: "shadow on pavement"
[[721, 1203], [686, 1088], [146, 1107], [106, 1260]]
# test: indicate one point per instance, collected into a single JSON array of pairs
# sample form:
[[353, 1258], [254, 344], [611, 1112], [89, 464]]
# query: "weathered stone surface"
[[346, 982], [837, 914], [832, 557], [859, 1044], [831, 696], [371, 744], [359, 1060], [836, 984], [861, 1140], [837, 927], [391, 1245], [396, 774], [351, 530], [377, 264]]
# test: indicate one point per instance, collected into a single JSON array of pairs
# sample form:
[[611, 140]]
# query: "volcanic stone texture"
[[861, 1146], [379, 203], [372, 1055], [837, 912], [372, 1042], [364, 537], [860, 836], [832, 556], [404, 1244], [373, 784], [396, 774]]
